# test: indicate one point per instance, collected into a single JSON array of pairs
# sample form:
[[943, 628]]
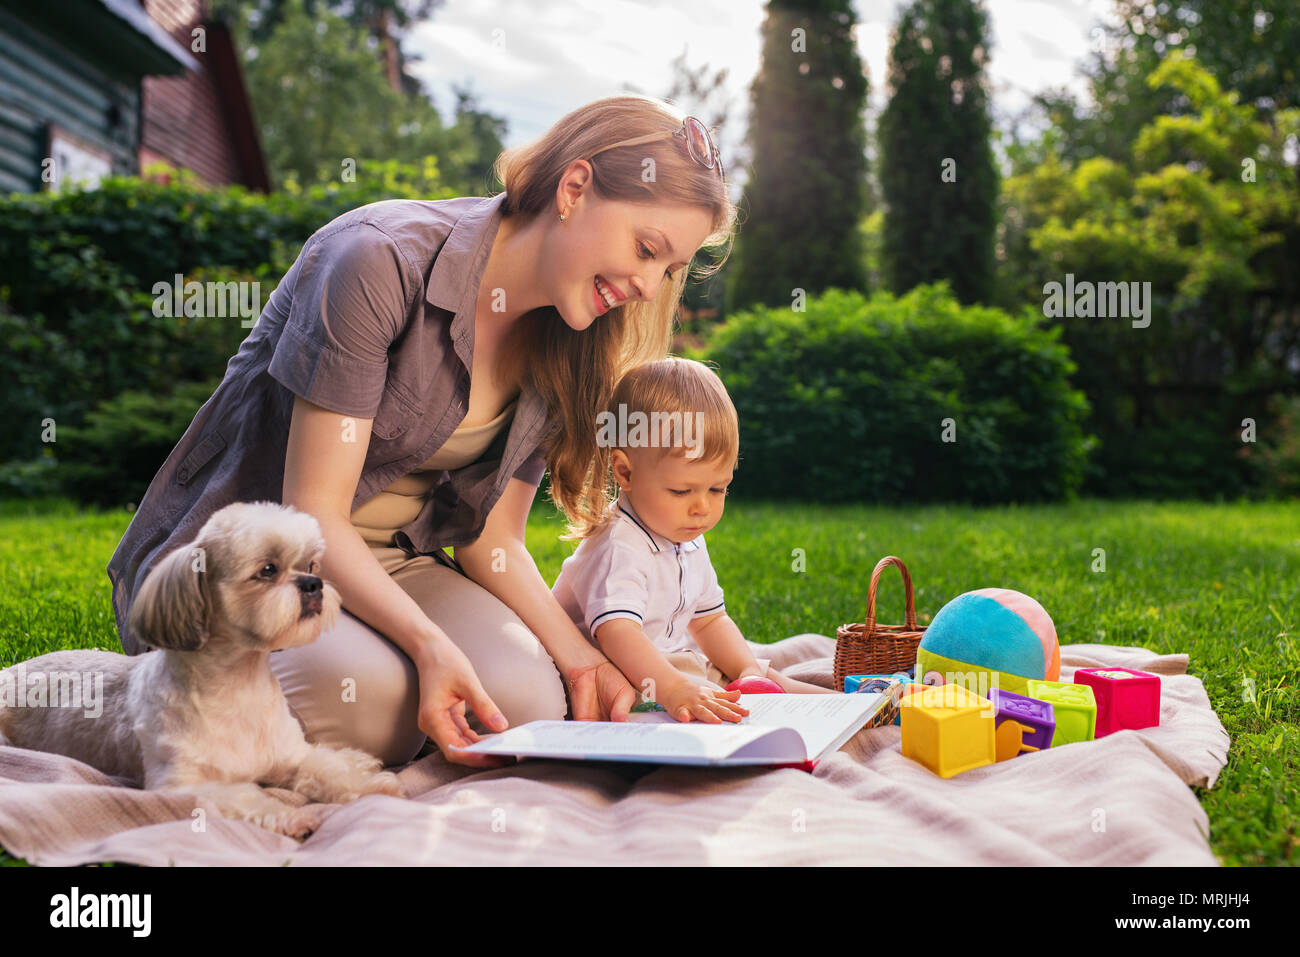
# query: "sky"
[[532, 62]]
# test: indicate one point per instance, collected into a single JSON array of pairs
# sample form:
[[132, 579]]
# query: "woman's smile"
[[600, 293], [601, 305]]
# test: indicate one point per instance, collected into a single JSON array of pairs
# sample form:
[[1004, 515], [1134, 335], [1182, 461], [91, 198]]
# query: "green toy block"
[[1075, 708], [947, 728]]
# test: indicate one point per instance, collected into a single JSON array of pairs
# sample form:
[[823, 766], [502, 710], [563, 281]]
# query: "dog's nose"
[[311, 594]]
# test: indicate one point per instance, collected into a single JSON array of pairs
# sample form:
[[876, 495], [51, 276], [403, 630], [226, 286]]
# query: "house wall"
[[42, 81], [184, 119]]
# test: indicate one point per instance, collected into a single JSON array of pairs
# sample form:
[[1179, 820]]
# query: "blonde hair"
[[575, 372], [665, 391]]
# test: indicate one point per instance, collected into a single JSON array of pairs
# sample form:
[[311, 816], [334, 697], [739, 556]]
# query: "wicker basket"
[[867, 648]]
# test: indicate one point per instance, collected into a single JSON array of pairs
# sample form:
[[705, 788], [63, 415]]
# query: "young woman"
[[410, 379]]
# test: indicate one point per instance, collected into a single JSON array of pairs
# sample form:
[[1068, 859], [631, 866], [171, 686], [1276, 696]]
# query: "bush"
[[848, 401], [112, 458], [34, 478], [1276, 454], [78, 269]]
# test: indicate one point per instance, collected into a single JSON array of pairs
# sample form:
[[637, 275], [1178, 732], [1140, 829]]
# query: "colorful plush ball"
[[990, 637]]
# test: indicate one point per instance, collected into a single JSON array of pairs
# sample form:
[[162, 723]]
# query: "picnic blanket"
[[1121, 800]]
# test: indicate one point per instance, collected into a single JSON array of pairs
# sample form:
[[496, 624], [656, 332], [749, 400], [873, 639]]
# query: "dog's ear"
[[172, 607]]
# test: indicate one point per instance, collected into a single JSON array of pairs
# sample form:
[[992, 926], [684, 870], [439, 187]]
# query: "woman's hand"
[[599, 692], [447, 684], [688, 699]]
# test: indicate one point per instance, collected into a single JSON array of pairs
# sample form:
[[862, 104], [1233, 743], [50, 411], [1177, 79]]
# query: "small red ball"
[[755, 685]]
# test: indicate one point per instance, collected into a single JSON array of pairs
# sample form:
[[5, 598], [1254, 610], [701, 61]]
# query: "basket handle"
[[871, 592]]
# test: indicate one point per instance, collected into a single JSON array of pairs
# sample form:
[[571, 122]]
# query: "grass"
[[1220, 582]]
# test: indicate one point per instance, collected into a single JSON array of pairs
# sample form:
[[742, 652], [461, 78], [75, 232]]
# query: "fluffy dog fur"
[[205, 714]]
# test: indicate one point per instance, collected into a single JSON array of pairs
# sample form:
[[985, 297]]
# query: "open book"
[[779, 729]]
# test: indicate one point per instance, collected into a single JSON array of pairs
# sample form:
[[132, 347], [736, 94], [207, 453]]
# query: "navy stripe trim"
[[653, 543], [614, 611], [714, 608]]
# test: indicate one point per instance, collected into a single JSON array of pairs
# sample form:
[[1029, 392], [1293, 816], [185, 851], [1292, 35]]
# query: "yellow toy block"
[[947, 728], [1075, 708]]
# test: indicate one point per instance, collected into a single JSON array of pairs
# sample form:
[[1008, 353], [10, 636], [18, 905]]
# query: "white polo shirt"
[[628, 571]]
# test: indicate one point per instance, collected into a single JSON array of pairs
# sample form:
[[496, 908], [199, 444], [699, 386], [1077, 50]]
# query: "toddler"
[[640, 585]]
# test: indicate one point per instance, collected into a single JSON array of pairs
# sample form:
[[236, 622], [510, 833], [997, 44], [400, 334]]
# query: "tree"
[[1247, 45], [320, 96], [1206, 208], [803, 203], [384, 20], [937, 173], [323, 97]]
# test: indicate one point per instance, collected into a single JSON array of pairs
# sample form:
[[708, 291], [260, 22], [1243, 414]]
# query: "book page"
[[670, 741], [821, 720], [824, 721], [779, 729]]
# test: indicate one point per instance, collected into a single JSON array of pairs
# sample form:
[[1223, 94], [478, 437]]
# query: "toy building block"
[[883, 684], [1035, 718], [947, 695], [947, 728], [1073, 706], [1125, 698]]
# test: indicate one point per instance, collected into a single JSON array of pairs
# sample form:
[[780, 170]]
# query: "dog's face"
[[250, 578]]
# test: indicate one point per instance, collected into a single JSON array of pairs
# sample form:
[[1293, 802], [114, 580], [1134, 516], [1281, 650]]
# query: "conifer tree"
[[803, 202], [938, 179]]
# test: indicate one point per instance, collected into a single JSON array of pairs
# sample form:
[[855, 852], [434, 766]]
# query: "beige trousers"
[[352, 687]]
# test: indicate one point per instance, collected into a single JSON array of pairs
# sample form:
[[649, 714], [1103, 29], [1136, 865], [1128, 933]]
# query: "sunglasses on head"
[[698, 143]]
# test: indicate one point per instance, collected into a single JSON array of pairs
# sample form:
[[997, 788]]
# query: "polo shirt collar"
[[654, 541]]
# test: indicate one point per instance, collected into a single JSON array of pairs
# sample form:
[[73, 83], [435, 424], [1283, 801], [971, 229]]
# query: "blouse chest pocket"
[[396, 414], [199, 456]]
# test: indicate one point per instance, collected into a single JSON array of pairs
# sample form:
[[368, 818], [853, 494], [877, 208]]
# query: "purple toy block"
[[1125, 698], [1038, 715]]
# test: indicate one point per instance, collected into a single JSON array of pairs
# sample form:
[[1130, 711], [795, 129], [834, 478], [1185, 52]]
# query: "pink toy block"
[[1125, 698]]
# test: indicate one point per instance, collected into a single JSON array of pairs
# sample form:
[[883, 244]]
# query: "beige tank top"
[[400, 502]]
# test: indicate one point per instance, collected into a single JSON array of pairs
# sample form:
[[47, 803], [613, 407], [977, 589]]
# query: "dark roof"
[[135, 16], [117, 33]]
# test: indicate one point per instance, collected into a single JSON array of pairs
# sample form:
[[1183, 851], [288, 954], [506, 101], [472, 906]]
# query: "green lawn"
[[1219, 582]]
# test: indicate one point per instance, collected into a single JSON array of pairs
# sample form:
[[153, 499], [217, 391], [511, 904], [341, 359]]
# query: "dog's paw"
[[302, 822], [385, 782], [359, 760], [295, 822]]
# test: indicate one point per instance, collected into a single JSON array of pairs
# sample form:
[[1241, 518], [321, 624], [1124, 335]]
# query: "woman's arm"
[[322, 467], [596, 687]]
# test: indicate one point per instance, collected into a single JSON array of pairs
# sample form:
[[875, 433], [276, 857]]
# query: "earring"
[[562, 218]]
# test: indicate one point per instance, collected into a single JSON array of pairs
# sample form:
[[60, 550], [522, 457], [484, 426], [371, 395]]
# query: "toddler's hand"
[[688, 699]]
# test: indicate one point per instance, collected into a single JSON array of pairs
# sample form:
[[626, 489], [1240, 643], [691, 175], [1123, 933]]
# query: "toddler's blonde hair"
[[670, 388]]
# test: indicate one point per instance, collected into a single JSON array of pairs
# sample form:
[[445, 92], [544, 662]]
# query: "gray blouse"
[[375, 319]]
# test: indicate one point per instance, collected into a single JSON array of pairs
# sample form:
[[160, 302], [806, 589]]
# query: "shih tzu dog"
[[204, 714]]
